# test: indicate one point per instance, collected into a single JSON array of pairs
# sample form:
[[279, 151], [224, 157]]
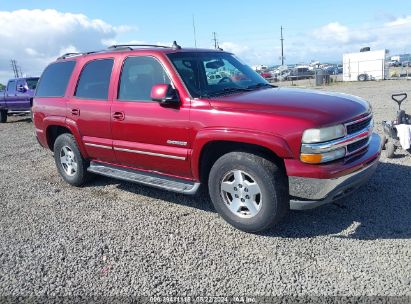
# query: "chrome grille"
[[357, 126], [358, 145]]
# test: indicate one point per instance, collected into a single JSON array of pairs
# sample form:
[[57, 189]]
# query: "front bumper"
[[308, 193]]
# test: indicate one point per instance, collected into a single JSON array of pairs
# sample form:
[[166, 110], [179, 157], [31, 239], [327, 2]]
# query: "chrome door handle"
[[75, 112], [118, 115]]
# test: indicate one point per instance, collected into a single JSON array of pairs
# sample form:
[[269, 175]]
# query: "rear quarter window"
[[53, 82]]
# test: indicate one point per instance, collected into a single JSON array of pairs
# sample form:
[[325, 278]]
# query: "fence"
[[365, 70]]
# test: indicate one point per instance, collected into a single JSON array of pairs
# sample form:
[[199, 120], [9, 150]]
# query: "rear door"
[[89, 107], [147, 135]]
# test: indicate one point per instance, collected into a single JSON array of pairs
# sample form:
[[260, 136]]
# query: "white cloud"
[[36, 37], [328, 42], [401, 21]]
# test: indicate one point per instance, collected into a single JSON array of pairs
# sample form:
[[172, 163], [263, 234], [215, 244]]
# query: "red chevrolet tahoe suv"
[[150, 114]]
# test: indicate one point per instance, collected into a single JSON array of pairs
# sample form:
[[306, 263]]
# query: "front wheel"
[[3, 116], [70, 163], [248, 191]]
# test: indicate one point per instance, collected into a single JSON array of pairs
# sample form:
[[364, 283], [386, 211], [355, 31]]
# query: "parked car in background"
[[300, 73], [281, 75], [266, 74], [333, 70], [394, 63], [151, 115], [17, 97], [406, 63], [214, 78]]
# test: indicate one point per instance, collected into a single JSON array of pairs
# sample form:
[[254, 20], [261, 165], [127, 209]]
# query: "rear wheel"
[[248, 191], [362, 77], [70, 163], [3, 116]]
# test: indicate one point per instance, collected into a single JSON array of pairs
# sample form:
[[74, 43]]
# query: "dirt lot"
[[117, 238]]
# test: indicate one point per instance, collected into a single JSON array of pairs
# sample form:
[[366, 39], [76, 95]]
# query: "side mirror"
[[165, 94], [21, 88]]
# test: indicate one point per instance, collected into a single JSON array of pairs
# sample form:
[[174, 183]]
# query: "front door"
[[147, 135], [89, 108], [22, 95]]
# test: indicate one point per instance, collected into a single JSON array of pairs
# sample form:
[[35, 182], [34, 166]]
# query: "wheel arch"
[[209, 147], [56, 128]]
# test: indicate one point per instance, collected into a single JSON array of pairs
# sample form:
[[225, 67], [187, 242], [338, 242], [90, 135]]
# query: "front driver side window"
[[138, 76]]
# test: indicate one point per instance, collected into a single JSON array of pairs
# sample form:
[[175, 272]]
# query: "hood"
[[325, 108]]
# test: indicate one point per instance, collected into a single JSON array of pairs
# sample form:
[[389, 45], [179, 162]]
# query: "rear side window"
[[94, 80], [54, 80]]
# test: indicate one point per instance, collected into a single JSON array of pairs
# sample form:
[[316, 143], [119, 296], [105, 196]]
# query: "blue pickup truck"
[[18, 97]]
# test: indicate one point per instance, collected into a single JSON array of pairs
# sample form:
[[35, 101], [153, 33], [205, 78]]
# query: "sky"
[[36, 32]]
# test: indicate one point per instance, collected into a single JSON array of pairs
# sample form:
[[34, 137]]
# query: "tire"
[[383, 141], [69, 162], [362, 77], [262, 199], [3, 116], [389, 149]]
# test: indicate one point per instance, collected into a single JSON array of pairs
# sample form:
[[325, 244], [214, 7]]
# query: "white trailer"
[[362, 66]]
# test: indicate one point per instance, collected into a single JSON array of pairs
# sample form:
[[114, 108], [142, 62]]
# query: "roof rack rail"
[[67, 55], [120, 48], [116, 46], [174, 46]]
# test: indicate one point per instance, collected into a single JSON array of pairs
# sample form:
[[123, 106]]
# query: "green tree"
[[2, 87]]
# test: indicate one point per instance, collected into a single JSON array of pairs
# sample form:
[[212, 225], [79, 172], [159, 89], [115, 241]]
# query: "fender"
[[69, 124], [274, 143]]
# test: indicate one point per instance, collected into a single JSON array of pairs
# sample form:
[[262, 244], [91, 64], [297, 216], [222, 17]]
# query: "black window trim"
[[121, 73], [109, 84], [65, 91]]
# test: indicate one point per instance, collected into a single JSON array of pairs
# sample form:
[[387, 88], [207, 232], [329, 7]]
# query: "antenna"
[[282, 46], [194, 31], [215, 40]]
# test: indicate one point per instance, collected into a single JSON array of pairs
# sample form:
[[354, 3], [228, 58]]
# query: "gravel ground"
[[117, 238]]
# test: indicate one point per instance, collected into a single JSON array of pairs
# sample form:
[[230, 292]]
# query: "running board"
[[149, 179]]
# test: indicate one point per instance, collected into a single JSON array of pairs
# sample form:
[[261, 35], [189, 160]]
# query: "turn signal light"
[[311, 158]]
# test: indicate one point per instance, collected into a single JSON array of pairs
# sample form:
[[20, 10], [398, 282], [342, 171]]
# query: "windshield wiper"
[[260, 85], [230, 90]]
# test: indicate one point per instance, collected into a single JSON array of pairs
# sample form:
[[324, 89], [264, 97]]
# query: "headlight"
[[322, 157], [324, 134]]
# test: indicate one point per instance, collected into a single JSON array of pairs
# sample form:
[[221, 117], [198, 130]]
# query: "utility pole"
[[282, 46], [14, 68], [215, 40]]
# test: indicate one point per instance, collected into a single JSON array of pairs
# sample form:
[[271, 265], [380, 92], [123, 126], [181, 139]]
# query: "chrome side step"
[[149, 179]]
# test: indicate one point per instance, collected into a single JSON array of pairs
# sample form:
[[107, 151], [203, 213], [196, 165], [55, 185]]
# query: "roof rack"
[[121, 47], [175, 46], [116, 46], [67, 55]]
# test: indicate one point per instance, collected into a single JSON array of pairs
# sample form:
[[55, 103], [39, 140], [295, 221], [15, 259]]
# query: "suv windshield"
[[208, 74]]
